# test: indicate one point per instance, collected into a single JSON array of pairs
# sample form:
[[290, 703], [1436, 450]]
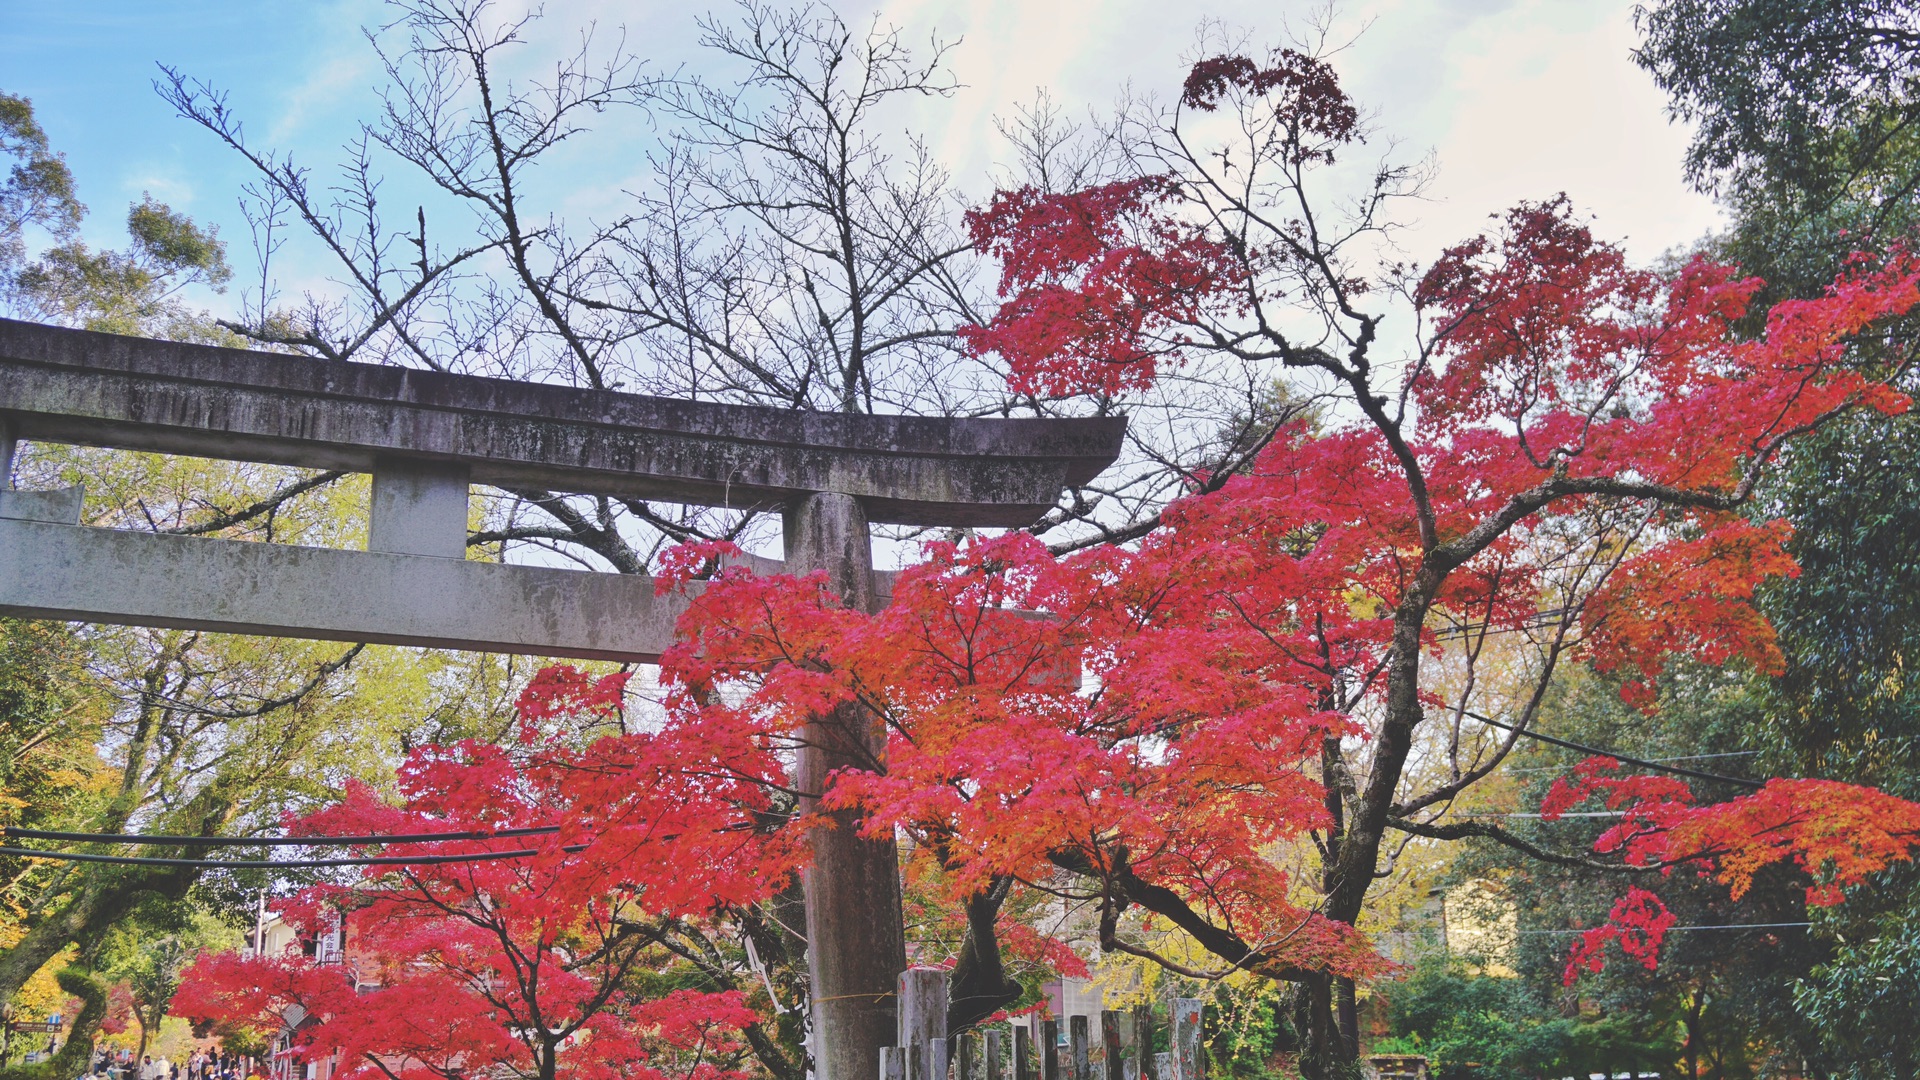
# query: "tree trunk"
[[1330, 1047], [96, 906], [1346, 1014], [979, 986], [856, 941], [1331, 1034], [1693, 1036], [1354, 854], [74, 1058]]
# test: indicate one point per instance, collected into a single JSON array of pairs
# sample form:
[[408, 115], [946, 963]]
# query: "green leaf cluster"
[[1474, 1026]]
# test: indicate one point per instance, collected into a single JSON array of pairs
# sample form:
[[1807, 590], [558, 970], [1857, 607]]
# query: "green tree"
[[135, 291], [1476, 1026], [38, 192], [1808, 115], [147, 954], [111, 729], [1809, 129], [1817, 96], [1848, 707], [1720, 1002]]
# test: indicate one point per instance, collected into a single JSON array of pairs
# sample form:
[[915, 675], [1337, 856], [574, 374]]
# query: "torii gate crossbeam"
[[425, 437]]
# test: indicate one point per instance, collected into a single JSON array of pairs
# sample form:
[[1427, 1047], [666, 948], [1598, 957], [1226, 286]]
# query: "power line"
[[1671, 929], [1686, 757], [1537, 620], [151, 839], [1570, 813], [1642, 762], [270, 864], [298, 864]]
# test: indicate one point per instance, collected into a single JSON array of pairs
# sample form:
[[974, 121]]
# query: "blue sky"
[[1515, 98], [89, 66]]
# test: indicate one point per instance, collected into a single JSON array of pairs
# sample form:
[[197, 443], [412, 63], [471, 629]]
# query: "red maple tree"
[[1834, 833], [536, 962], [1555, 468]]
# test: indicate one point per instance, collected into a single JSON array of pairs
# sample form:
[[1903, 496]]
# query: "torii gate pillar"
[[856, 948]]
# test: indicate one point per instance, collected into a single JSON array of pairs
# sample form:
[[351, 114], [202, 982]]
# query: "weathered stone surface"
[[76, 386], [856, 947], [922, 1016], [9, 444], [419, 508], [61, 506], [1188, 1061], [70, 572]]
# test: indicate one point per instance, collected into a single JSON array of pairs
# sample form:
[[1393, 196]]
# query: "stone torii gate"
[[425, 437]]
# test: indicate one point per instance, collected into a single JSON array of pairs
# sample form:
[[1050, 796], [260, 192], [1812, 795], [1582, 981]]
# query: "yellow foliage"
[[41, 996]]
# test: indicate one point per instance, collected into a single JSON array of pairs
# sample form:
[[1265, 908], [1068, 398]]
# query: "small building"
[[275, 937], [1396, 1067], [1480, 923]]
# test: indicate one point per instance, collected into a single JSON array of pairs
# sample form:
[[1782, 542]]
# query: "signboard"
[[43, 1026]]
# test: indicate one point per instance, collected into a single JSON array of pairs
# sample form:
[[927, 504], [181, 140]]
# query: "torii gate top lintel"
[[76, 386], [425, 436]]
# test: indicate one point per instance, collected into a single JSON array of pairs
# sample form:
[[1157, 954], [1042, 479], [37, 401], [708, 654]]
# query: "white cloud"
[[1518, 99]]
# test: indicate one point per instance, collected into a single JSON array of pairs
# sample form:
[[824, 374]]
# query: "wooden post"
[[1022, 1052], [1110, 1040], [995, 1039], [1163, 1066], [937, 1058], [1143, 1043], [963, 1055], [1077, 1047], [1050, 1050], [856, 943], [893, 1063], [1186, 1039]]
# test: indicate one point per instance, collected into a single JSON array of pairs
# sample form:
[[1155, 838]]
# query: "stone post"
[[1143, 1043], [856, 945], [419, 508], [1116, 1062], [9, 445], [923, 1020], [1187, 1063]]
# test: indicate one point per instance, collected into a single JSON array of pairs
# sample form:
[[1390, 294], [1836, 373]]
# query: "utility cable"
[[270, 864], [1684, 757], [1671, 929], [292, 864], [150, 839], [1596, 751]]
